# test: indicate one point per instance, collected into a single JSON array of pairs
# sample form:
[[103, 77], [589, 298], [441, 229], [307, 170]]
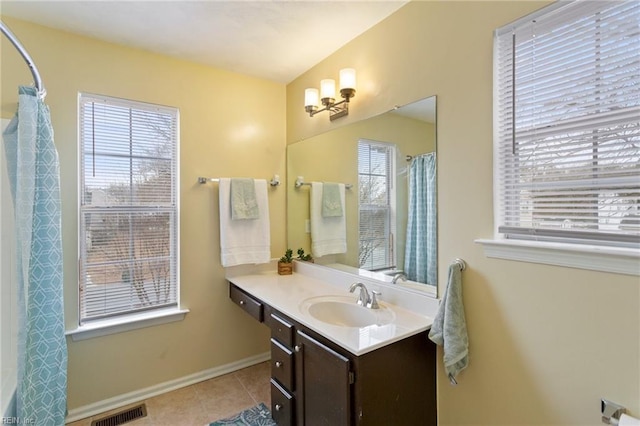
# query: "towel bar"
[[611, 412], [300, 181], [275, 181]]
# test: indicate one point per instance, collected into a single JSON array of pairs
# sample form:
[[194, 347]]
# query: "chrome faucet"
[[398, 276], [364, 298]]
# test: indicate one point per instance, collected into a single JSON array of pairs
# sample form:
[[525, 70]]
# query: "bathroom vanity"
[[336, 363]]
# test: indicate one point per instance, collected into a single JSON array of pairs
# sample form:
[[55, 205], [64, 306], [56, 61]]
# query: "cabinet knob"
[[278, 407], [242, 302], [297, 348], [278, 364]]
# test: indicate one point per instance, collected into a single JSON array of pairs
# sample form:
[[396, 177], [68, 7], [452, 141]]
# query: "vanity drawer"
[[281, 405], [252, 306], [281, 330], [282, 364]]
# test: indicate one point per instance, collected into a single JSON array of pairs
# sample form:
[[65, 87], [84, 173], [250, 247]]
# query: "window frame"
[[132, 318], [8, 291], [390, 207], [562, 251]]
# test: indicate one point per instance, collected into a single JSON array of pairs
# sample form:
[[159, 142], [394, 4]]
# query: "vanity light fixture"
[[327, 95]]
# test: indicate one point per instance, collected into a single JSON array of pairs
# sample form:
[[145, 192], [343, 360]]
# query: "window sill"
[[595, 258], [126, 323]]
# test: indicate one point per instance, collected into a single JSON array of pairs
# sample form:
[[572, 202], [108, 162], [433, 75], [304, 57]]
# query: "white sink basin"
[[343, 311]]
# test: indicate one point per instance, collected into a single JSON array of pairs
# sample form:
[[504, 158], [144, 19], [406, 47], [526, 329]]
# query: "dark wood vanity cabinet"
[[316, 382]]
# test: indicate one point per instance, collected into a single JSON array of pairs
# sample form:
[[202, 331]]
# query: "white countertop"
[[287, 294]]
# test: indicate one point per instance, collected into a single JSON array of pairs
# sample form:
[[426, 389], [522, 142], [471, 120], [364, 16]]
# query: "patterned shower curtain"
[[420, 259], [32, 164]]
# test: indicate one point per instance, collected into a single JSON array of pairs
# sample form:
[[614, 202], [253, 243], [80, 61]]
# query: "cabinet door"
[[323, 384]]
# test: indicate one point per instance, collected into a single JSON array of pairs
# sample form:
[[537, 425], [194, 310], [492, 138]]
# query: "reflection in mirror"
[[390, 209]]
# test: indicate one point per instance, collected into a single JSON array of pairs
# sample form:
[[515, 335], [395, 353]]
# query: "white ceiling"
[[275, 40]]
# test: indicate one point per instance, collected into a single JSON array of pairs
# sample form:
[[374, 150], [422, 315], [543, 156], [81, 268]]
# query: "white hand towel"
[[244, 241], [328, 234]]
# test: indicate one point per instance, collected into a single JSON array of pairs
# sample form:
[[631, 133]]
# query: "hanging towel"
[[244, 241], [449, 328], [331, 200], [243, 199], [328, 234]]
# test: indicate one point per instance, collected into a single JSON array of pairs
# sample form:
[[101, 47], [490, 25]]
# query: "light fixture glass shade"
[[327, 88], [311, 97], [347, 78]]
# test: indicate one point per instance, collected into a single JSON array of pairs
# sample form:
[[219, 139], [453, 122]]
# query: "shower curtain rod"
[[27, 58], [411, 157]]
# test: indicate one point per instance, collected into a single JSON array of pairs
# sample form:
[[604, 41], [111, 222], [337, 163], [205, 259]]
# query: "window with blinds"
[[376, 205], [567, 124], [128, 207]]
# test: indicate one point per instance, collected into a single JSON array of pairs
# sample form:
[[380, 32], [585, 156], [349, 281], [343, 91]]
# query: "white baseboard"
[[142, 394]]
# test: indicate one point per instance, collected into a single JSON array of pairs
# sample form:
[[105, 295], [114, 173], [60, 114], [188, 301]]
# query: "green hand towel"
[[243, 199], [331, 200], [449, 328]]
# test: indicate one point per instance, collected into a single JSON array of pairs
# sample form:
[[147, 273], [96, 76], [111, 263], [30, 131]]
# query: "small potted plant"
[[305, 257], [285, 265]]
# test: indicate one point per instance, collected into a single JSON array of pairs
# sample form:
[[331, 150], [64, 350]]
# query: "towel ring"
[[462, 263]]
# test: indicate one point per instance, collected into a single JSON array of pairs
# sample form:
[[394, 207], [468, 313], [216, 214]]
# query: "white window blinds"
[[376, 205], [128, 207], [567, 124]]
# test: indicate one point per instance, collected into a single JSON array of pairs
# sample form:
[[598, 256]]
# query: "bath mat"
[[256, 416]]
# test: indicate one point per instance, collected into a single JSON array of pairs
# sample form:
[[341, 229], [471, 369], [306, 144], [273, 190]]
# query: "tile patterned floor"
[[204, 402]]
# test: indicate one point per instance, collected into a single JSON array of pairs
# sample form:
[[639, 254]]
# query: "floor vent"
[[122, 417]]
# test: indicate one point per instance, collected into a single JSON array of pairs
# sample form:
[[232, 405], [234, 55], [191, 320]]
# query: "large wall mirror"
[[390, 210]]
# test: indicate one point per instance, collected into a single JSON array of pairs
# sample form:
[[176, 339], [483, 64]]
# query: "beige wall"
[[546, 342], [230, 125]]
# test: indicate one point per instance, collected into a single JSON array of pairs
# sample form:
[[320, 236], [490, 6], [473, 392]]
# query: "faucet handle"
[[373, 304]]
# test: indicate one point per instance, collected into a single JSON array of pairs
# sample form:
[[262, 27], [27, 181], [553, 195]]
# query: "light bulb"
[[311, 97], [327, 88], [347, 78]]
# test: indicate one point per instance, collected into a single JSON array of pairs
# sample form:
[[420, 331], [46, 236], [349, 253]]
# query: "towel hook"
[[462, 263]]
